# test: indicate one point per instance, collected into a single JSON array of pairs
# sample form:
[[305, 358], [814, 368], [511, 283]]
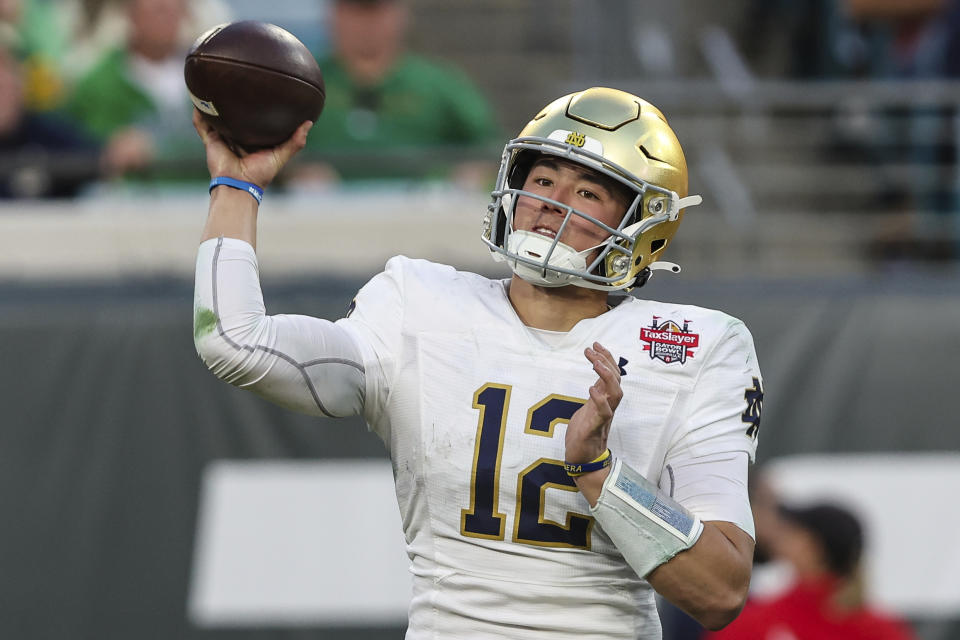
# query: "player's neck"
[[554, 309]]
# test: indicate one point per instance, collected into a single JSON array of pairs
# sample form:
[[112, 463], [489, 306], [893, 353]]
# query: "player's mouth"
[[545, 231]]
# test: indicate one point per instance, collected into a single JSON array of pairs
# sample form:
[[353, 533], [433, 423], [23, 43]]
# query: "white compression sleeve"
[[647, 526], [713, 486], [305, 364]]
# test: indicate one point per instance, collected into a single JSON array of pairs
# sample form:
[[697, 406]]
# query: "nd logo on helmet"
[[576, 139]]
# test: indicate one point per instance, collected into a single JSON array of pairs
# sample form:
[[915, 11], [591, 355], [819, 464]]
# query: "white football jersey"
[[472, 405]]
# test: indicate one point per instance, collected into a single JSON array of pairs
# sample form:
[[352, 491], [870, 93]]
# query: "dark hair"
[[838, 531]]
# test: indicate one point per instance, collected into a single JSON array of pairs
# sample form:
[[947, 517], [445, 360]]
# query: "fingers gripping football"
[[589, 427], [260, 167]]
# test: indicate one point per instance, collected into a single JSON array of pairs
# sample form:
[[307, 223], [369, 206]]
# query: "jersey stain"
[[204, 321]]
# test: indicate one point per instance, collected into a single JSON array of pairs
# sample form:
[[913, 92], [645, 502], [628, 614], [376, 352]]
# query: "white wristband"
[[647, 526]]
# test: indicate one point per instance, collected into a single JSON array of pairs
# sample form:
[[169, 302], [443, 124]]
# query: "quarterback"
[[561, 450]]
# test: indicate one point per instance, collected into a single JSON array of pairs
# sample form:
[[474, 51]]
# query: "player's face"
[[155, 26], [576, 186], [368, 30], [801, 549]]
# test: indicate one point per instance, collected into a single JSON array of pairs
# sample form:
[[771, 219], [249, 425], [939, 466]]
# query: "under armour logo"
[[751, 415], [622, 363]]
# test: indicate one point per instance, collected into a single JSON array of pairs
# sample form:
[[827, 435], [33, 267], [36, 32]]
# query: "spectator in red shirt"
[[823, 543]]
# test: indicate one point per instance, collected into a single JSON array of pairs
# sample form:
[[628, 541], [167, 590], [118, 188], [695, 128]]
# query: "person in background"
[[44, 42], [767, 573], [40, 155], [823, 545], [61, 40], [98, 26], [390, 113], [134, 99]]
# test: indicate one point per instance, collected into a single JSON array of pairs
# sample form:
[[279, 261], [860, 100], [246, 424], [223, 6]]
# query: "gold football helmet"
[[621, 136]]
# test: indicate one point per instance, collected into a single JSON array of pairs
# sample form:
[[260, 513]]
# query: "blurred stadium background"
[[142, 498]]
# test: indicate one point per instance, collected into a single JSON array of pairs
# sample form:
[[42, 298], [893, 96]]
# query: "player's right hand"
[[260, 167], [589, 427]]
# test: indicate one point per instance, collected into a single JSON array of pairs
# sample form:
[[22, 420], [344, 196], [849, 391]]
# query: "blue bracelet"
[[602, 461], [249, 187]]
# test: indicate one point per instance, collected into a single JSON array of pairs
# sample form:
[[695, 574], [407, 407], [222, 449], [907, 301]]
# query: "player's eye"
[[543, 182], [589, 195]]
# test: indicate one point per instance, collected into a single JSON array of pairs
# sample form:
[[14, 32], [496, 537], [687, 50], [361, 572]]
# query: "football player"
[[560, 452]]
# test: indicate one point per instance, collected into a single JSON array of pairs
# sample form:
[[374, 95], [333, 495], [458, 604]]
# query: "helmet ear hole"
[[657, 245]]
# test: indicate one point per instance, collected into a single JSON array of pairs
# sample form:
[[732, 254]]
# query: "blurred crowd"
[[92, 91], [888, 41], [94, 95]]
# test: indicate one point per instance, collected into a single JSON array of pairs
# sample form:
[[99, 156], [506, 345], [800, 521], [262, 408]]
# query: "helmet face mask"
[[608, 132]]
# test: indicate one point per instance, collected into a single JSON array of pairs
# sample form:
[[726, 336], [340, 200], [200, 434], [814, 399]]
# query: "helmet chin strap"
[[533, 246]]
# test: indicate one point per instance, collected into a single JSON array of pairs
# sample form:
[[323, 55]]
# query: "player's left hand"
[[589, 427]]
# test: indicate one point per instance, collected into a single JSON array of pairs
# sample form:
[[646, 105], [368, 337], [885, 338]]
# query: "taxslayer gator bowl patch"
[[668, 341]]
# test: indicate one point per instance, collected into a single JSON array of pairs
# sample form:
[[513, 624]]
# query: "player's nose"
[[559, 193]]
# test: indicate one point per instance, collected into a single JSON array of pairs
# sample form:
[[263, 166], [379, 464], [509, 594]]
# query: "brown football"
[[254, 82]]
